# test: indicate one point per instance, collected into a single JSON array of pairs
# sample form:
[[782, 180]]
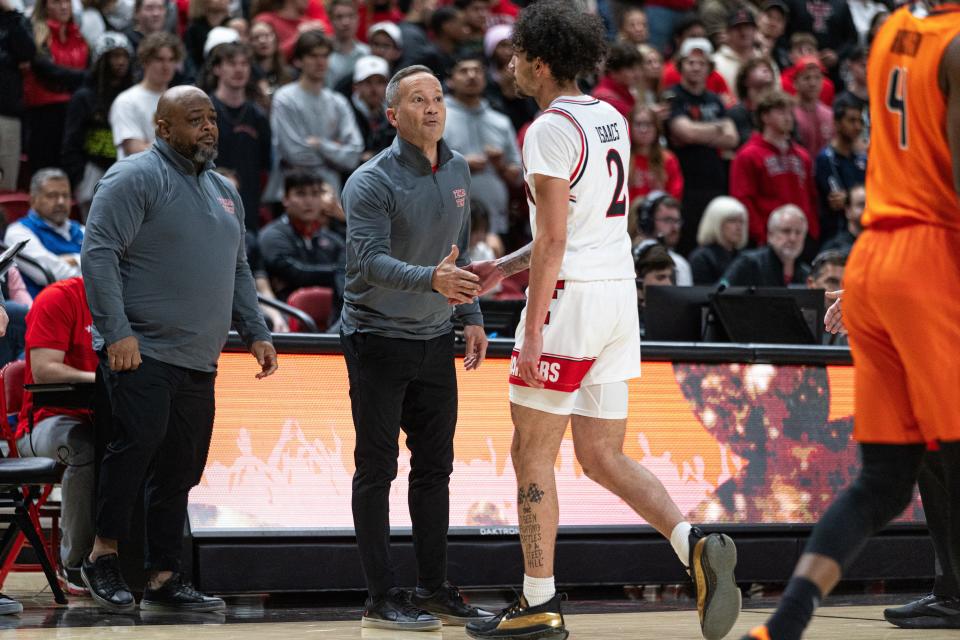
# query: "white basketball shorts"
[[591, 337]]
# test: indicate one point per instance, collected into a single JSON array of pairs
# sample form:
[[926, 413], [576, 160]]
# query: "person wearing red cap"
[[804, 45], [814, 119]]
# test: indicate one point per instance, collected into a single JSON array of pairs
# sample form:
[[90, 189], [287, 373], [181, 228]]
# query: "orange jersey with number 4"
[[909, 169]]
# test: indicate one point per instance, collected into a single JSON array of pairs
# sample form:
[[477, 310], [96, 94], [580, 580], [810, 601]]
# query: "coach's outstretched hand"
[[449, 280], [266, 357], [833, 319]]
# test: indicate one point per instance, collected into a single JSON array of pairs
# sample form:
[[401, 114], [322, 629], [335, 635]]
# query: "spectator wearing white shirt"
[[131, 115]]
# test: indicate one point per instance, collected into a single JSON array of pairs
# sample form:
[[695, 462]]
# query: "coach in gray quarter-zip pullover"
[[402, 218], [165, 272], [167, 260], [406, 209]]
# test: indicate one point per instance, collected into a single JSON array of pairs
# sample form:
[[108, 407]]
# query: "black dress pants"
[[411, 385], [162, 424]]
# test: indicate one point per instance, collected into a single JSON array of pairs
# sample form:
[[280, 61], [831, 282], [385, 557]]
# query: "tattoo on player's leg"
[[534, 493], [530, 534], [530, 538]]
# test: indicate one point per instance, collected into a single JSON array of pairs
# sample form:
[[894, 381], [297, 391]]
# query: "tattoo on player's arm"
[[515, 262]]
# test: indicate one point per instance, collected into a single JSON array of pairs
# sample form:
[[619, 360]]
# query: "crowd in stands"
[[737, 109]]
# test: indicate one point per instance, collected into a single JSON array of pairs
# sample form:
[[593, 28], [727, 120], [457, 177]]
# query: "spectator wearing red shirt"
[[59, 348], [652, 167], [290, 18], [383, 11], [55, 73], [771, 170], [624, 70]]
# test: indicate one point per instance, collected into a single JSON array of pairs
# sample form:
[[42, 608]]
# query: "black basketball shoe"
[[712, 560], [929, 612], [520, 620]]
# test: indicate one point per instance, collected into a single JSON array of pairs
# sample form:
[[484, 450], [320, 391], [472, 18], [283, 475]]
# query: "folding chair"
[[26, 484]]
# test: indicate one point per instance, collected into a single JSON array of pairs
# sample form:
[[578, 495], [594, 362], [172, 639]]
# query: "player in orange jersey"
[[905, 338]]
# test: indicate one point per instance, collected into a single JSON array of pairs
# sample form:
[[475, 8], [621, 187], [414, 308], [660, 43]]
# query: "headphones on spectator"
[[648, 210], [641, 249]]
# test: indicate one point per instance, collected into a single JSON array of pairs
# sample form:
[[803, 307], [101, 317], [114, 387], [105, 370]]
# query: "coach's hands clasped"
[[449, 280]]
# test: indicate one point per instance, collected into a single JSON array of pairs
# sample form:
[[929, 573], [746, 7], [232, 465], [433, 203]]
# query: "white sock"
[[680, 541], [538, 590]]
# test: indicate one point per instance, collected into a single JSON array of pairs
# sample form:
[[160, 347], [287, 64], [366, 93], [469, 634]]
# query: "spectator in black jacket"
[[88, 149], [368, 100], [777, 264], [298, 249], [16, 47], [721, 236], [244, 144]]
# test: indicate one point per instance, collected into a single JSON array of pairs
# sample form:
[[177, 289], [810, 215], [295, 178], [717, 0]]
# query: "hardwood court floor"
[[249, 619]]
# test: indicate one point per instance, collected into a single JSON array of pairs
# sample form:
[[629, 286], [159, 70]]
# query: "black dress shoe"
[[106, 584], [929, 612], [447, 604], [174, 595], [395, 611]]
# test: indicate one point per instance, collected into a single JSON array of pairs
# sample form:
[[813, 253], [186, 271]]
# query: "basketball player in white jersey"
[[578, 342]]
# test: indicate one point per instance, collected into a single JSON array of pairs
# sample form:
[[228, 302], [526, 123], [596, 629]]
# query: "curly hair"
[[568, 41]]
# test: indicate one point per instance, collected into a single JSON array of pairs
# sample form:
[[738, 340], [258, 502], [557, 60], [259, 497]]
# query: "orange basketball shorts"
[[901, 307]]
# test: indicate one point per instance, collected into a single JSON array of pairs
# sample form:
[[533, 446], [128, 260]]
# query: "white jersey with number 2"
[[586, 141]]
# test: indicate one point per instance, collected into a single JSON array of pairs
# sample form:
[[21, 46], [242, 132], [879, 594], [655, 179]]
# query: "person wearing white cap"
[[386, 41], [346, 48], [218, 36], [314, 126], [368, 100], [699, 130]]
